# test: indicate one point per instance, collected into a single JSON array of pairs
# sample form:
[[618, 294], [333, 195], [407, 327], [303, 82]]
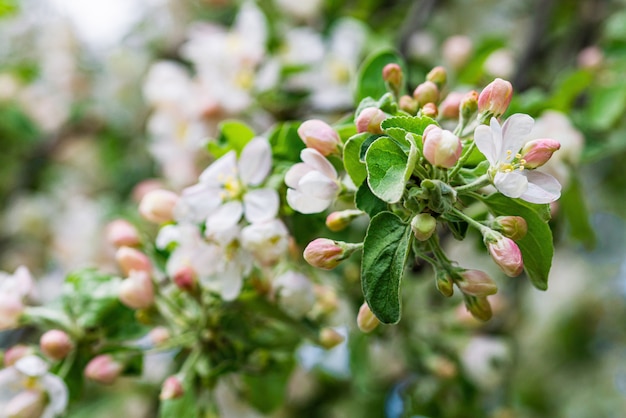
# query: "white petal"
[[225, 166], [231, 281], [32, 366], [318, 185], [255, 162], [225, 217], [197, 202], [295, 173], [260, 205], [306, 204], [483, 137], [512, 184], [316, 160], [515, 131], [542, 188], [167, 235], [496, 131], [57, 392]]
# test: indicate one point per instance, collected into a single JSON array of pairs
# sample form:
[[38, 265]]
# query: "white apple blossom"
[[501, 146], [313, 184], [267, 241], [295, 293], [27, 387], [14, 288]]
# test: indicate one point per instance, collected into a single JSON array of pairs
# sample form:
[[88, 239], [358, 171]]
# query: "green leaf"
[[266, 390], [388, 169], [414, 124], [574, 208], [366, 144], [351, 158], [569, 88], [89, 296], [370, 82], [606, 106], [366, 201], [385, 252], [234, 135], [285, 141], [537, 248]]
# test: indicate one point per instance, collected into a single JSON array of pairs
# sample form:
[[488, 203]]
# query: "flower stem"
[[462, 160], [473, 222], [475, 185]]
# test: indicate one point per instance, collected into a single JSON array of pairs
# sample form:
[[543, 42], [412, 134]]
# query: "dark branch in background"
[[417, 17]]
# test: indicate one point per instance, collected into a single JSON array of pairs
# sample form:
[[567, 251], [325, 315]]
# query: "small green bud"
[[444, 283], [423, 225], [437, 75], [479, 307]]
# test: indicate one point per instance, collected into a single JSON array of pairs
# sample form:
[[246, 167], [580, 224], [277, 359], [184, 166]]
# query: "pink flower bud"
[[158, 206], [56, 344], [29, 403], [537, 152], [441, 147], [430, 110], [172, 389], [103, 369], [159, 335], [423, 225], [320, 136], [120, 233], [450, 107], [505, 253], [13, 354], [185, 279], [338, 221], [132, 259], [369, 120], [330, 338], [144, 187], [479, 307], [408, 104], [476, 283], [366, 320], [392, 74], [427, 92], [11, 309], [469, 105], [327, 254], [437, 75], [137, 291], [514, 227], [495, 98]]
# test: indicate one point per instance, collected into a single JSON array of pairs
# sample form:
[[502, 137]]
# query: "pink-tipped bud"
[[392, 74], [451, 105], [505, 253], [427, 92], [320, 136], [159, 335], [172, 389], [514, 227], [476, 283], [185, 279], [158, 206], [11, 310], [437, 75], [369, 120], [430, 110], [423, 225], [327, 254], [103, 369], [29, 403], [120, 233], [144, 187], [338, 221], [130, 259], [137, 291], [469, 105], [537, 152], [56, 344], [408, 104], [330, 338], [479, 307], [494, 100], [444, 283], [441, 147], [366, 320], [13, 354]]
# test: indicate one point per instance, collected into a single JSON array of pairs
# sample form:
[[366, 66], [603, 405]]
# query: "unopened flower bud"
[[476, 283], [327, 254], [494, 100], [408, 104], [537, 152], [366, 320], [29, 403], [320, 136], [457, 50], [430, 110], [437, 75], [326, 300], [590, 58], [103, 369], [369, 120], [514, 227], [13, 354], [441, 147], [132, 259], [479, 307], [185, 279], [427, 92], [337, 221], [469, 105], [450, 106], [120, 233], [137, 291], [444, 283], [172, 389], [159, 335], [56, 344], [393, 76], [505, 253], [330, 338], [423, 225], [158, 206]]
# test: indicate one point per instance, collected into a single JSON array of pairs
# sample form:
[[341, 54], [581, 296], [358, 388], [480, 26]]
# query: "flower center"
[[512, 162], [232, 189]]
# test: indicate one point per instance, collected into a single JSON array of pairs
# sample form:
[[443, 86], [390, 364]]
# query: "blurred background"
[[102, 101]]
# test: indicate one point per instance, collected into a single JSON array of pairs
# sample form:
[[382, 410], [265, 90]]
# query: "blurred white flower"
[[485, 360], [294, 292], [267, 241], [14, 289], [500, 63]]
